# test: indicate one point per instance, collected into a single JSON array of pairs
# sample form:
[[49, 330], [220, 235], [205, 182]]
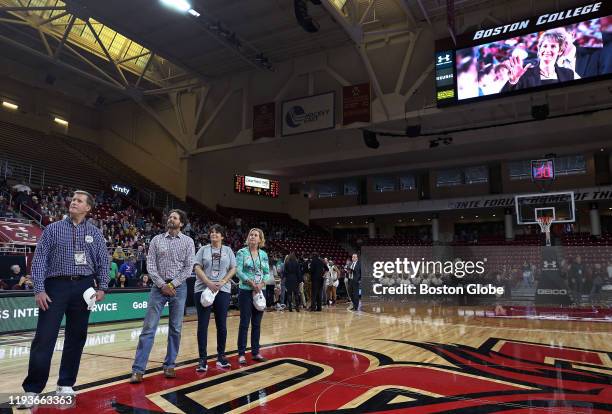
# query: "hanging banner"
[[356, 103], [308, 114], [264, 121]]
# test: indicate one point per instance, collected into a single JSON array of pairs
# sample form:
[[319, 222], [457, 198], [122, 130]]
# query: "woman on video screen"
[[552, 45]]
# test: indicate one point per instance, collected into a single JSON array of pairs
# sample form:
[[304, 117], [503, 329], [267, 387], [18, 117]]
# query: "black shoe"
[[290, 310], [223, 363], [259, 358], [202, 366]]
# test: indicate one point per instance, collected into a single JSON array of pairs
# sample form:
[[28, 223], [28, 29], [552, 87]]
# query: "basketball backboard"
[[560, 206]]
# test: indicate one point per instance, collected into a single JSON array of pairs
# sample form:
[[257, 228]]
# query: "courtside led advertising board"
[[553, 49]]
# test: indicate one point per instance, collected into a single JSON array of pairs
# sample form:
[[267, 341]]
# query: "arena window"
[[327, 190], [351, 188], [407, 183], [384, 184], [449, 178], [570, 165], [519, 170]]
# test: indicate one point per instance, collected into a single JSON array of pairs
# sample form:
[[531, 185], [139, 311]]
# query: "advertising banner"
[[20, 313], [308, 114]]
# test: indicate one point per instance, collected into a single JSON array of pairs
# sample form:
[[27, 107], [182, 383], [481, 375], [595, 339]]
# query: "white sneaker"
[[28, 401], [61, 390]]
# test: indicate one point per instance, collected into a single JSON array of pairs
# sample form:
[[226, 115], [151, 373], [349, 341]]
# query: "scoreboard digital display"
[[542, 170], [255, 185], [550, 50]]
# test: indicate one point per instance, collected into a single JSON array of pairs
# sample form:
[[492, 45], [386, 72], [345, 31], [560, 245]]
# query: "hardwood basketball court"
[[388, 358]]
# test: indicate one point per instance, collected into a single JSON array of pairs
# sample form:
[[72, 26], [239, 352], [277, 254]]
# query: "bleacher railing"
[[31, 213], [25, 173], [13, 248]]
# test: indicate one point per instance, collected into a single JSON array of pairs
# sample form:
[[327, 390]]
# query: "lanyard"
[[212, 259], [260, 273]]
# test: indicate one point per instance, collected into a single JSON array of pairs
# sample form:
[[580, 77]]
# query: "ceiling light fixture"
[[180, 5], [10, 105], [60, 121]]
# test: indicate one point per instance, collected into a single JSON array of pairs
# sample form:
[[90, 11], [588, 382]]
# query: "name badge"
[[80, 258]]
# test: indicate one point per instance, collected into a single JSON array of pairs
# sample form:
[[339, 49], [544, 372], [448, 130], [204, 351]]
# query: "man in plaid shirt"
[[169, 262], [68, 257]]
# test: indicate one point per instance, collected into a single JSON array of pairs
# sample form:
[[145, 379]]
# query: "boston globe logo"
[[295, 116]]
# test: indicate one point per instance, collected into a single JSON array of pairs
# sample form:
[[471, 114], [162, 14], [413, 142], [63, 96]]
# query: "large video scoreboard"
[[256, 185], [554, 49]]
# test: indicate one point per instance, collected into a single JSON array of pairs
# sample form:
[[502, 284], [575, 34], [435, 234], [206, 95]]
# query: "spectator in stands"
[[291, 274], [527, 275], [145, 282], [25, 283], [253, 270], [119, 255], [122, 282], [16, 272], [128, 269], [215, 265], [3, 285], [112, 271], [3, 205], [599, 278], [577, 275], [170, 263]]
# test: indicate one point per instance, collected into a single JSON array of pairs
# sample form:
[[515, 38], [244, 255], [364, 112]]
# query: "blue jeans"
[[248, 315], [220, 306], [156, 304], [67, 298]]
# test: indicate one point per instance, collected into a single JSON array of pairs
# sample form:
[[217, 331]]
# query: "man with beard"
[[169, 262]]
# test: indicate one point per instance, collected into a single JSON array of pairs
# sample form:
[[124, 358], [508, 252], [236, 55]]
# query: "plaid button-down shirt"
[[170, 259], [54, 255]]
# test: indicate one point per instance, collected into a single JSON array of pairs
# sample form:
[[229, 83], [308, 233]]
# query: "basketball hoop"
[[545, 222]]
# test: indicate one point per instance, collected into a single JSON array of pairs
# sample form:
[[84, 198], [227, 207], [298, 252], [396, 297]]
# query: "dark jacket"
[[531, 78], [356, 274], [317, 269], [292, 273]]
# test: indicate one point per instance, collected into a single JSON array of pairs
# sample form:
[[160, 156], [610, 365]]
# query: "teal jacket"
[[247, 266]]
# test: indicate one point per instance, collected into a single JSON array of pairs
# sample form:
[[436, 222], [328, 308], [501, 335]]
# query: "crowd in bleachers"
[[128, 229]]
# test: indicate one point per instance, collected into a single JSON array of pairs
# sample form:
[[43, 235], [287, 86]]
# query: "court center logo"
[[500, 375]]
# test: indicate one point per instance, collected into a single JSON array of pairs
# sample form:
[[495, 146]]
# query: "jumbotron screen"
[[550, 50], [255, 185]]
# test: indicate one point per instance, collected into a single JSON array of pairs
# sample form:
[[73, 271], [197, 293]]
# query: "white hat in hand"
[[89, 296], [208, 297], [259, 301]]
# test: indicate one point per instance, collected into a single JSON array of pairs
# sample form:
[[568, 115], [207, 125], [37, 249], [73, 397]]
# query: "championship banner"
[[356, 103], [308, 114], [264, 117], [20, 313]]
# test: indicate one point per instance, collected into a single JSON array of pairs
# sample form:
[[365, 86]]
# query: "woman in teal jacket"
[[253, 270]]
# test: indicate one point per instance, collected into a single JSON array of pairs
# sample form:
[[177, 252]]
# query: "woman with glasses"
[[215, 264]]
